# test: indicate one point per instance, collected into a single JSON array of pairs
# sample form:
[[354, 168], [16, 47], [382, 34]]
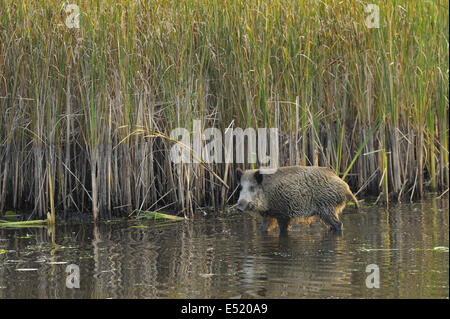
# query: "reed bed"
[[84, 111]]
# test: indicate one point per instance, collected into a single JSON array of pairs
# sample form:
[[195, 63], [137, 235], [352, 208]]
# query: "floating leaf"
[[27, 223], [441, 248], [14, 261], [377, 249], [41, 260], [10, 215], [2, 251], [438, 248], [25, 237], [156, 215]]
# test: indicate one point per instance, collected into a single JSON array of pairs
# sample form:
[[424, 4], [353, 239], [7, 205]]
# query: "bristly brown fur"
[[302, 193]]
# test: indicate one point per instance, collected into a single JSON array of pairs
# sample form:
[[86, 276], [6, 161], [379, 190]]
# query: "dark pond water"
[[227, 257]]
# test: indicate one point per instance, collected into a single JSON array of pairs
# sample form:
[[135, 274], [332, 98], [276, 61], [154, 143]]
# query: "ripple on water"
[[228, 257]]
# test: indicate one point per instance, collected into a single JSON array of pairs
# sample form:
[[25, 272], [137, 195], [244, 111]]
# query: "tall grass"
[[76, 105]]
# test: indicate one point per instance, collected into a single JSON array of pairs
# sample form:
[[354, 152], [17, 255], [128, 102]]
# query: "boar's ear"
[[239, 173], [258, 177]]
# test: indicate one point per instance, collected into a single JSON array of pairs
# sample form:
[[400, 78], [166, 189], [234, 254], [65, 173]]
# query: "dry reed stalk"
[[69, 97]]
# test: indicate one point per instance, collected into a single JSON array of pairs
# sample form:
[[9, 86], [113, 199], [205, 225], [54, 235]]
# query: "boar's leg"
[[283, 223], [268, 224], [330, 219]]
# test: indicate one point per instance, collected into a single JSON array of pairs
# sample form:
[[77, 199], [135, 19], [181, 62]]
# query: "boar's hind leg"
[[283, 223], [329, 218]]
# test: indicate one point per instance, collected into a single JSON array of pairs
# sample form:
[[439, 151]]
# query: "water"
[[228, 257]]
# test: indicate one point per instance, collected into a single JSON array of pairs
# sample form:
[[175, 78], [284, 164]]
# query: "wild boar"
[[305, 192]]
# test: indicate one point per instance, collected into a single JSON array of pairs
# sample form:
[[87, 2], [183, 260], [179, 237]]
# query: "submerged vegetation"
[[84, 111]]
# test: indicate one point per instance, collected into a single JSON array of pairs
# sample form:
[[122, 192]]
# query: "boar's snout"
[[242, 205]]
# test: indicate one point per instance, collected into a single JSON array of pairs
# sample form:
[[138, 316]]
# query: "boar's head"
[[251, 196]]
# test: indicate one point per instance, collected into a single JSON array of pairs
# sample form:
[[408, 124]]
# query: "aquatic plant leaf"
[[25, 223], [441, 248], [25, 237], [377, 249], [156, 215]]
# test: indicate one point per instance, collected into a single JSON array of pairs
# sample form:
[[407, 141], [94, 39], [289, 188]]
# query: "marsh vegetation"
[[85, 112]]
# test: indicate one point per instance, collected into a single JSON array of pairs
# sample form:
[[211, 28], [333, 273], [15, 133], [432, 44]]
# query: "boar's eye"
[[252, 188]]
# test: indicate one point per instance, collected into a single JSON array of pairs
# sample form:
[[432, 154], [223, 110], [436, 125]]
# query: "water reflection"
[[227, 257]]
